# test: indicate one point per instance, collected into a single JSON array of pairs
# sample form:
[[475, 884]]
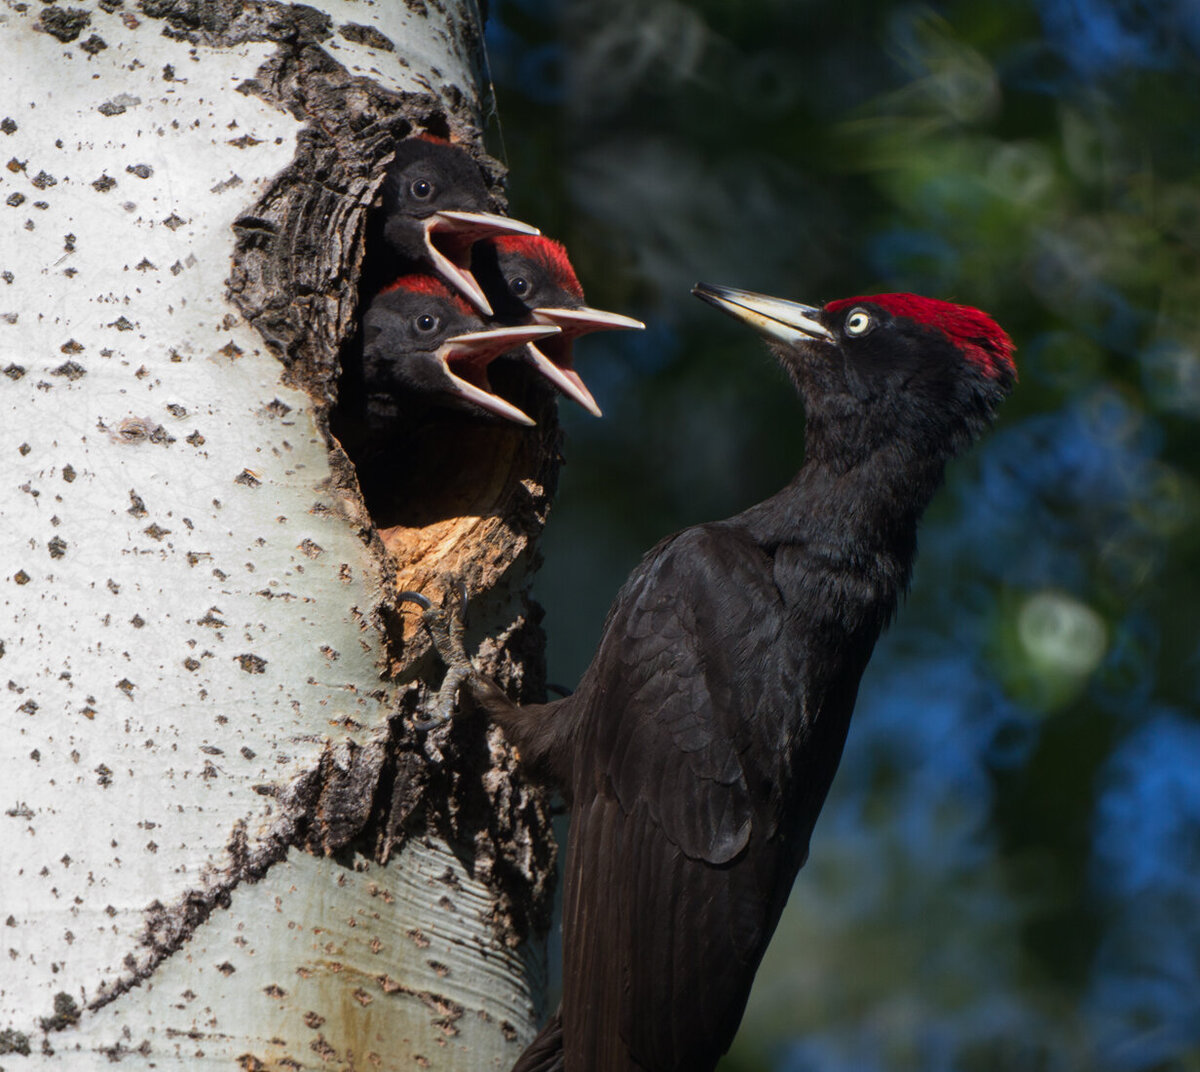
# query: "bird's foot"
[[445, 627]]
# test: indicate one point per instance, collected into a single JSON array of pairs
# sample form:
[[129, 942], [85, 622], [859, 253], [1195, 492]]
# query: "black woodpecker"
[[423, 341], [529, 279], [698, 748]]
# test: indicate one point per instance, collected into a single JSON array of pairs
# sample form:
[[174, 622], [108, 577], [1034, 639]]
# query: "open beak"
[[449, 236], [788, 322], [466, 359], [554, 360], [565, 378], [583, 320]]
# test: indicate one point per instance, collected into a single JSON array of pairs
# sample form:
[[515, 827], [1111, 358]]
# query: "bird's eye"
[[425, 323], [858, 322], [519, 286], [421, 189]]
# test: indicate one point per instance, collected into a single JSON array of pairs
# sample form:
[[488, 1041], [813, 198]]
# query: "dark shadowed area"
[[1007, 873]]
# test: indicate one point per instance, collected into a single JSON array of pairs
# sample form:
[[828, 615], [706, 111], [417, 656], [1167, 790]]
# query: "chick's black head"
[[427, 175]]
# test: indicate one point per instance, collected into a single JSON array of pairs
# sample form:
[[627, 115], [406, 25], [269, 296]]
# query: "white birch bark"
[[220, 841]]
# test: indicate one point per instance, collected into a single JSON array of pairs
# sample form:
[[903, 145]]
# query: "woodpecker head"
[[420, 336], [915, 373], [530, 279], [435, 202]]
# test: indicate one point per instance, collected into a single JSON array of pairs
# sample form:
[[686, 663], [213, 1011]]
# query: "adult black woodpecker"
[[530, 279], [435, 209], [698, 748], [422, 341]]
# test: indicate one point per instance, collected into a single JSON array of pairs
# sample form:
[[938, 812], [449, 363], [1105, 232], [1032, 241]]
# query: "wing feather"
[[674, 862]]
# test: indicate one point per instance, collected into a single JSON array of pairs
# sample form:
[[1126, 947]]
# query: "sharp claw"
[[445, 627], [424, 721]]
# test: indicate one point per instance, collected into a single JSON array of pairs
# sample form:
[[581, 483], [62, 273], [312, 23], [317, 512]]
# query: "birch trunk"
[[221, 842]]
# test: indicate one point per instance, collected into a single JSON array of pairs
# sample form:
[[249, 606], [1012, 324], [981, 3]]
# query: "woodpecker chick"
[[419, 336], [700, 744], [435, 203], [530, 279]]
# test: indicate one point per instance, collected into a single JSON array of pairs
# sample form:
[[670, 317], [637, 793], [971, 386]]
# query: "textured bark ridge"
[[470, 499]]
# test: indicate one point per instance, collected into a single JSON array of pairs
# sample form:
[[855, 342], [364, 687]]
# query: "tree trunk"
[[222, 841]]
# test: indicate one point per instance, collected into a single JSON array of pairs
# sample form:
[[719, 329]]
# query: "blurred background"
[[1007, 873]]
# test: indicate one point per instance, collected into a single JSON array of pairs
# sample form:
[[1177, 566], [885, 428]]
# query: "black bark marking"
[[366, 35], [66, 1013], [64, 23]]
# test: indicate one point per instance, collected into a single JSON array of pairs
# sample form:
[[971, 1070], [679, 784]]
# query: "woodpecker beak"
[[553, 360], [787, 322], [466, 358], [583, 320], [449, 236], [565, 378]]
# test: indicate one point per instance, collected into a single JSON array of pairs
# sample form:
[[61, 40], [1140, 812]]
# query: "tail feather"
[[544, 1053]]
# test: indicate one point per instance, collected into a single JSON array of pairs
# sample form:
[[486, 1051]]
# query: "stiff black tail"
[[544, 1053]]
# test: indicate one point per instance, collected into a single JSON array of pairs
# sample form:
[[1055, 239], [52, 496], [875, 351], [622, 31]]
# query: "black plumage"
[[423, 343], [698, 748]]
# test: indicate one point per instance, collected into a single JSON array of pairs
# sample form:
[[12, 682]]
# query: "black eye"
[[519, 286], [858, 322], [425, 323], [421, 189]]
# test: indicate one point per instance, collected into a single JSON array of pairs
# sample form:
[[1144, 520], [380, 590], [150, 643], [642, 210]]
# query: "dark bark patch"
[[366, 35], [66, 1013], [63, 23], [251, 663], [118, 104], [14, 1042], [229, 22], [134, 431], [69, 370], [94, 44]]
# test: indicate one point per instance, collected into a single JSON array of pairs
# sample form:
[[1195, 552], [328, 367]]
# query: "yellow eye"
[[858, 322]]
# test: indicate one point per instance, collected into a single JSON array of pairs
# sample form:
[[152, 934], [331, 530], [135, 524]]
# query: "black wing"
[[675, 872]]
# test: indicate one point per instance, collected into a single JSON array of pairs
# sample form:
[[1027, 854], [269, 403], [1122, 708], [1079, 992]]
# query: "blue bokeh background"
[[1007, 873]]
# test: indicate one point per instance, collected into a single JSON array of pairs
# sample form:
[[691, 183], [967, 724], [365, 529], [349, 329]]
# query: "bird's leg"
[[531, 728], [445, 627]]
